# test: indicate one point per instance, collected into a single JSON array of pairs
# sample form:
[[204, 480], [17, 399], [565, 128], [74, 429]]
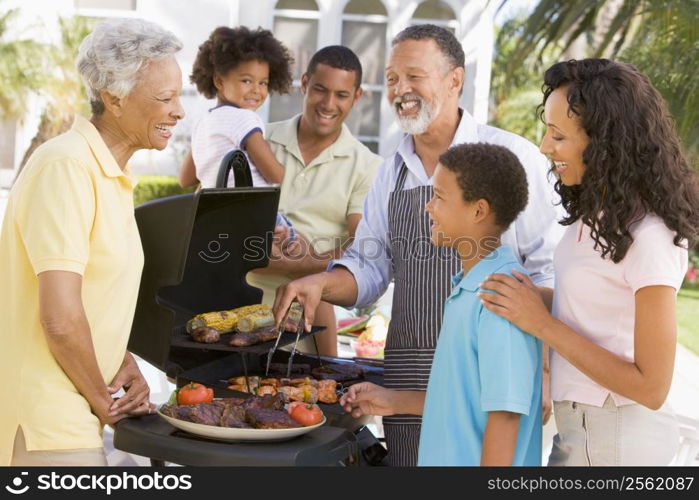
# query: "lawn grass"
[[688, 318]]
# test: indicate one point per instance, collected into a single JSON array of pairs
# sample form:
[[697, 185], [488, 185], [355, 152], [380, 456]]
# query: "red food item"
[[307, 415], [368, 348], [352, 325], [193, 394], [291, 406]]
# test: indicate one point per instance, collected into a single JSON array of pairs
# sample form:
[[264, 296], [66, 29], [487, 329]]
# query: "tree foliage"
[[659, 36], [515, 95], [20, 68], [62, 89], [666, 48]]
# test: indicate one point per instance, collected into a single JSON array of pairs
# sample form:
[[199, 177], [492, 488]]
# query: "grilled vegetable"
[[307, 415], [255, 321], [255, 308], [193, 393], [223, 321]]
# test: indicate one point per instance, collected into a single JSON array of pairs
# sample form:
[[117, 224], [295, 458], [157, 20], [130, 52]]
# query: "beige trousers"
[[55, 458], [613, 435]]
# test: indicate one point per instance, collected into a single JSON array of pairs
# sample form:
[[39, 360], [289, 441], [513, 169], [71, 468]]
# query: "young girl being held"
[[238, 67]]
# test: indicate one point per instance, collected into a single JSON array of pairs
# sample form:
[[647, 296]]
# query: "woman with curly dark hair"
[[633, 208], [238, 67]]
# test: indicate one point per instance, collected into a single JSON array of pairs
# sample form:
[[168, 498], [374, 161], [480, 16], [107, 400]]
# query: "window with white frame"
[[364, 31], [435, 12], [296, 26]]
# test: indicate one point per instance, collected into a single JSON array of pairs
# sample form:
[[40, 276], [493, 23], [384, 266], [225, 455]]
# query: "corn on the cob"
[[247, 310], [255, 321], [223, 321]]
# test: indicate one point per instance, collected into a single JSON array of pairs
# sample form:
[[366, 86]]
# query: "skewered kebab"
[[307, 390]]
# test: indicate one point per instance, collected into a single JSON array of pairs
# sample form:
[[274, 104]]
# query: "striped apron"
[[422, 273]]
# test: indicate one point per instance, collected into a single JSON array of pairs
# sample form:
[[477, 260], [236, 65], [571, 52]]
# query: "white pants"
[[52, 458], [613, 435]]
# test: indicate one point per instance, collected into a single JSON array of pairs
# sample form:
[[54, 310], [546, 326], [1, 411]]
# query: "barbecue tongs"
[[294, 311]]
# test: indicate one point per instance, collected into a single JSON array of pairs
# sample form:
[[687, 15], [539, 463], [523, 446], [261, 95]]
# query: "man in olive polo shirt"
[[328, 174]]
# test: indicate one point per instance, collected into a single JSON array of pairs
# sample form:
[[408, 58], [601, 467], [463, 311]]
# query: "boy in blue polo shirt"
[[483, 400]]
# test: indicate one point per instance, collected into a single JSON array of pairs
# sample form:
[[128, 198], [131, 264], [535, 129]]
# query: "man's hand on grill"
[[307, 291], [136, 398]]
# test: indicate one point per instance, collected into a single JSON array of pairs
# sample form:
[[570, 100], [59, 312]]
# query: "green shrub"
[[150, 187]]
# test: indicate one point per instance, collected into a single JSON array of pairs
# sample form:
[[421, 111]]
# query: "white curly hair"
[[110, 57]]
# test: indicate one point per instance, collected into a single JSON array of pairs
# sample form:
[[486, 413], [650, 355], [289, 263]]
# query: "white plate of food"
[[234, 434]]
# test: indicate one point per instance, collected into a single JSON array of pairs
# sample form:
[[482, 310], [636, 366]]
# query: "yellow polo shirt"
[[318, 197], [71, 209]]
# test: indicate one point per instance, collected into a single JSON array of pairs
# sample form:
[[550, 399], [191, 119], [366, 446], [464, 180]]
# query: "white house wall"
[[192, 21]]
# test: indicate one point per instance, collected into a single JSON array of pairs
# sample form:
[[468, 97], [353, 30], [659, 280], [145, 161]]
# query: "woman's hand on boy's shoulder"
[[517, 300]]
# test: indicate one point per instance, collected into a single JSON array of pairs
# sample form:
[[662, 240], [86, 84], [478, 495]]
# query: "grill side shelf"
[[181, 338]]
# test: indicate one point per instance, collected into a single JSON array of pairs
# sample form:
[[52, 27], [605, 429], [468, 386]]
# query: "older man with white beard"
[[424, 76]]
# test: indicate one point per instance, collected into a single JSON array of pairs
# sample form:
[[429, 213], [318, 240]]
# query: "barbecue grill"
[[198, 248]]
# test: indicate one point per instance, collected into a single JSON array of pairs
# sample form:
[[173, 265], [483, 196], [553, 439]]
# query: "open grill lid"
[[198, 249]]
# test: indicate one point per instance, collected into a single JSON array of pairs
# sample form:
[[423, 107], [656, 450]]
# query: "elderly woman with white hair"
[[71, 257]]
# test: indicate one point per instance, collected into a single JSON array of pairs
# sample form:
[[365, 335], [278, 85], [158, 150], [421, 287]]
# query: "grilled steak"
[[338, 372], [267, 412], [169, 410], [234, 416], [251, 338], [262, 418], [206, 335], [266, 402], [244, 339], [297, 370], [204, 413]]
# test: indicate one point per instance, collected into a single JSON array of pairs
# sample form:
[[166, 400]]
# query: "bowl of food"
[[372, 341], [368, 348]]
